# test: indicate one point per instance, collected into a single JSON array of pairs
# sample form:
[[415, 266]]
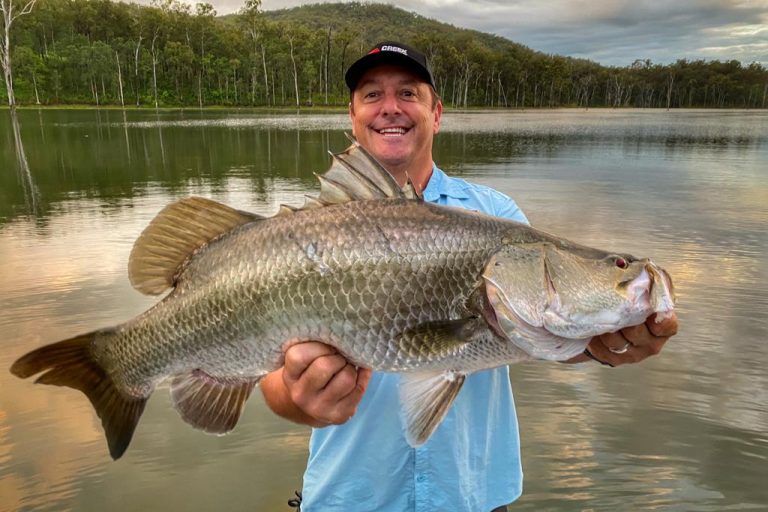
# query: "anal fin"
[[425, 398], [210, 403]]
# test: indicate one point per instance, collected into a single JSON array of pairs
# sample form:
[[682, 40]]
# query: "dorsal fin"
[[355, 175], [173, 235], [359, 175]]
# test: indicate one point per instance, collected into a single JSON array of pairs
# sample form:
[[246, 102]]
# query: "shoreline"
[[343, 109]]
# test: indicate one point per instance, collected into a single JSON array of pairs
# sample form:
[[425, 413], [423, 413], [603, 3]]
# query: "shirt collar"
[[441, 185]]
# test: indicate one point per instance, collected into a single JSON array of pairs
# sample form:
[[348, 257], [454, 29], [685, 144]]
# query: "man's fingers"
[[635, 343], [630, 345], [338, 401], [300, 356], [342, 382], [323, 371], [343, 393], [602, 351], [347, 406], [664, 328], [614, 341], [363, 378]]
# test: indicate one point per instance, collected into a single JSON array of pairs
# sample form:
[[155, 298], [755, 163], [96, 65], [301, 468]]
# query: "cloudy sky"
[[614, 32]]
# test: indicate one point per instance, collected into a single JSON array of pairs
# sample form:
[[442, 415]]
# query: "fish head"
[[552, 298]]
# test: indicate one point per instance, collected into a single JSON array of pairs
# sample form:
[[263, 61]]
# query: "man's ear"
[[352, 118], [438, 115]]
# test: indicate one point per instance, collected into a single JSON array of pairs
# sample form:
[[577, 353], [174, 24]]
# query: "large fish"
[[396, 284]]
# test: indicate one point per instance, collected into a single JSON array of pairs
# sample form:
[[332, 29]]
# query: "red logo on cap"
[[375, 50]]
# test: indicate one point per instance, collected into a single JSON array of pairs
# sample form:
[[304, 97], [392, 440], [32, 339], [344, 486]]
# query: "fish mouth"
[[638, 289]]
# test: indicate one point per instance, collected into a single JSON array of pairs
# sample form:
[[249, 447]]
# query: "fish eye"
[[621, 262]]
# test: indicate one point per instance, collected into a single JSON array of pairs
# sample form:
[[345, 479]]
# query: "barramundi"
[[394, 283]]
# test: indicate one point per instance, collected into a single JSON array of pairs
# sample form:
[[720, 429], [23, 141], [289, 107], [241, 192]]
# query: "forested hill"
[[379, 22], [170, 54]]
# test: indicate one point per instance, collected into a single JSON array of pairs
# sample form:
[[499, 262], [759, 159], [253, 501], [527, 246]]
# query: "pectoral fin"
[[440, 338], [209, 403], [425, 398]]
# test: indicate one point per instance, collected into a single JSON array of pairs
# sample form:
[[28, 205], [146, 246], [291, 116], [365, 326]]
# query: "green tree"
[[29, 66]]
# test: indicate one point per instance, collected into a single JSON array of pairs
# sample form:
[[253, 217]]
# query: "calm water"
[[685, 431]]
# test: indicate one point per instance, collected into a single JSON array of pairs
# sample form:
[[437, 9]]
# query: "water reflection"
[[30, 191], [686, 431]]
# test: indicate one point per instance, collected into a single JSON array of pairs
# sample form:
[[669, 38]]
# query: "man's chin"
[[390, 161], [387, 154]]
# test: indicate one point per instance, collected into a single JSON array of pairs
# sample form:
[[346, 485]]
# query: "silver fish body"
[[355, 276], [394, 283]]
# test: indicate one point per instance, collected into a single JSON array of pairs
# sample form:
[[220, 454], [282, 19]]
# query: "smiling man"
[[359, 457]]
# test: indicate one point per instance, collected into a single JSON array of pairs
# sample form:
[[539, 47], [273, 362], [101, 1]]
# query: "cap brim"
[[372, 60]]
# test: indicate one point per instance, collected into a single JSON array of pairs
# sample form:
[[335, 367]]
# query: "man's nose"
[[390, 104]]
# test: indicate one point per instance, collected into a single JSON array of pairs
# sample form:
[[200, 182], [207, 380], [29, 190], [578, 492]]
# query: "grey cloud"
[[612, 32]]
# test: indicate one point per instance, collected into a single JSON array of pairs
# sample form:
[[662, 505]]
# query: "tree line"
[[101, 52]]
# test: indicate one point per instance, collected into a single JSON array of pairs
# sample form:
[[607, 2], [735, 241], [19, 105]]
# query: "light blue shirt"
[[472, 461]]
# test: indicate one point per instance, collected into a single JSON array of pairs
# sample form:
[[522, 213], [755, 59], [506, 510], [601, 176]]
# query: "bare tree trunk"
[[8, 17], [154, 65], [234, 83], [266, 82], [670, 83], [136, 71], [200, 88], [120, 80], [327, 59], [343, 54], [466, 80], [295, 74], [502, 94], [34, 83], [253, 86]]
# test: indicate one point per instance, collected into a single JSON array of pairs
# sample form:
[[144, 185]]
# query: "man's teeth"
[[392, 131]]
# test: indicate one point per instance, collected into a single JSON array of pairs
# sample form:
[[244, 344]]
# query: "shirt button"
[[421, 478]]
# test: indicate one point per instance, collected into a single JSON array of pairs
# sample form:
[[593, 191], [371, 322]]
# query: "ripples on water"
[[684, 431]]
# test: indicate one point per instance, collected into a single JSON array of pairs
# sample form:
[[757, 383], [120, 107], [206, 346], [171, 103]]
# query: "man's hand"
[[317, 386], [640, 342]]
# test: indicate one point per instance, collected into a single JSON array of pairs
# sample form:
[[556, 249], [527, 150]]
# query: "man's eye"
[[371, 94], [408, 93]]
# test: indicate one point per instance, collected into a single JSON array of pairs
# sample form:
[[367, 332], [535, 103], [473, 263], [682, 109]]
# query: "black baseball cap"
[[390, 52]]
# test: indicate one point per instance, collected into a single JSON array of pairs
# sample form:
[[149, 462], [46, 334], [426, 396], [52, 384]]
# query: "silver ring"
[[620, 350]]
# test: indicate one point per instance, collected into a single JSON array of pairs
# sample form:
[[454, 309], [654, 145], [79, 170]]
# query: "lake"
[[684, 431]]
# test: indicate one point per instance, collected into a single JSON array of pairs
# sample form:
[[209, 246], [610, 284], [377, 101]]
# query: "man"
[[359, 458]]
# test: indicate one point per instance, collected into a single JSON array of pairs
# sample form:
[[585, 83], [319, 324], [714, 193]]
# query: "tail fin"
[[70, 363]]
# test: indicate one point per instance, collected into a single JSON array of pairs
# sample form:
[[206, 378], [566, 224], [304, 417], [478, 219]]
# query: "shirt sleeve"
[[504, 206]]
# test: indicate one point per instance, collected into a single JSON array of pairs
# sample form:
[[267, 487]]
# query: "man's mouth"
[[396, 131]]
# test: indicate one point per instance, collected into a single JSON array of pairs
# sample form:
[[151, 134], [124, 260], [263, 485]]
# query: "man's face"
[[393, 118]]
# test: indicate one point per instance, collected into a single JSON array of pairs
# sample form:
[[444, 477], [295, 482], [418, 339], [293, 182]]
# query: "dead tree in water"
[[7, 8]]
